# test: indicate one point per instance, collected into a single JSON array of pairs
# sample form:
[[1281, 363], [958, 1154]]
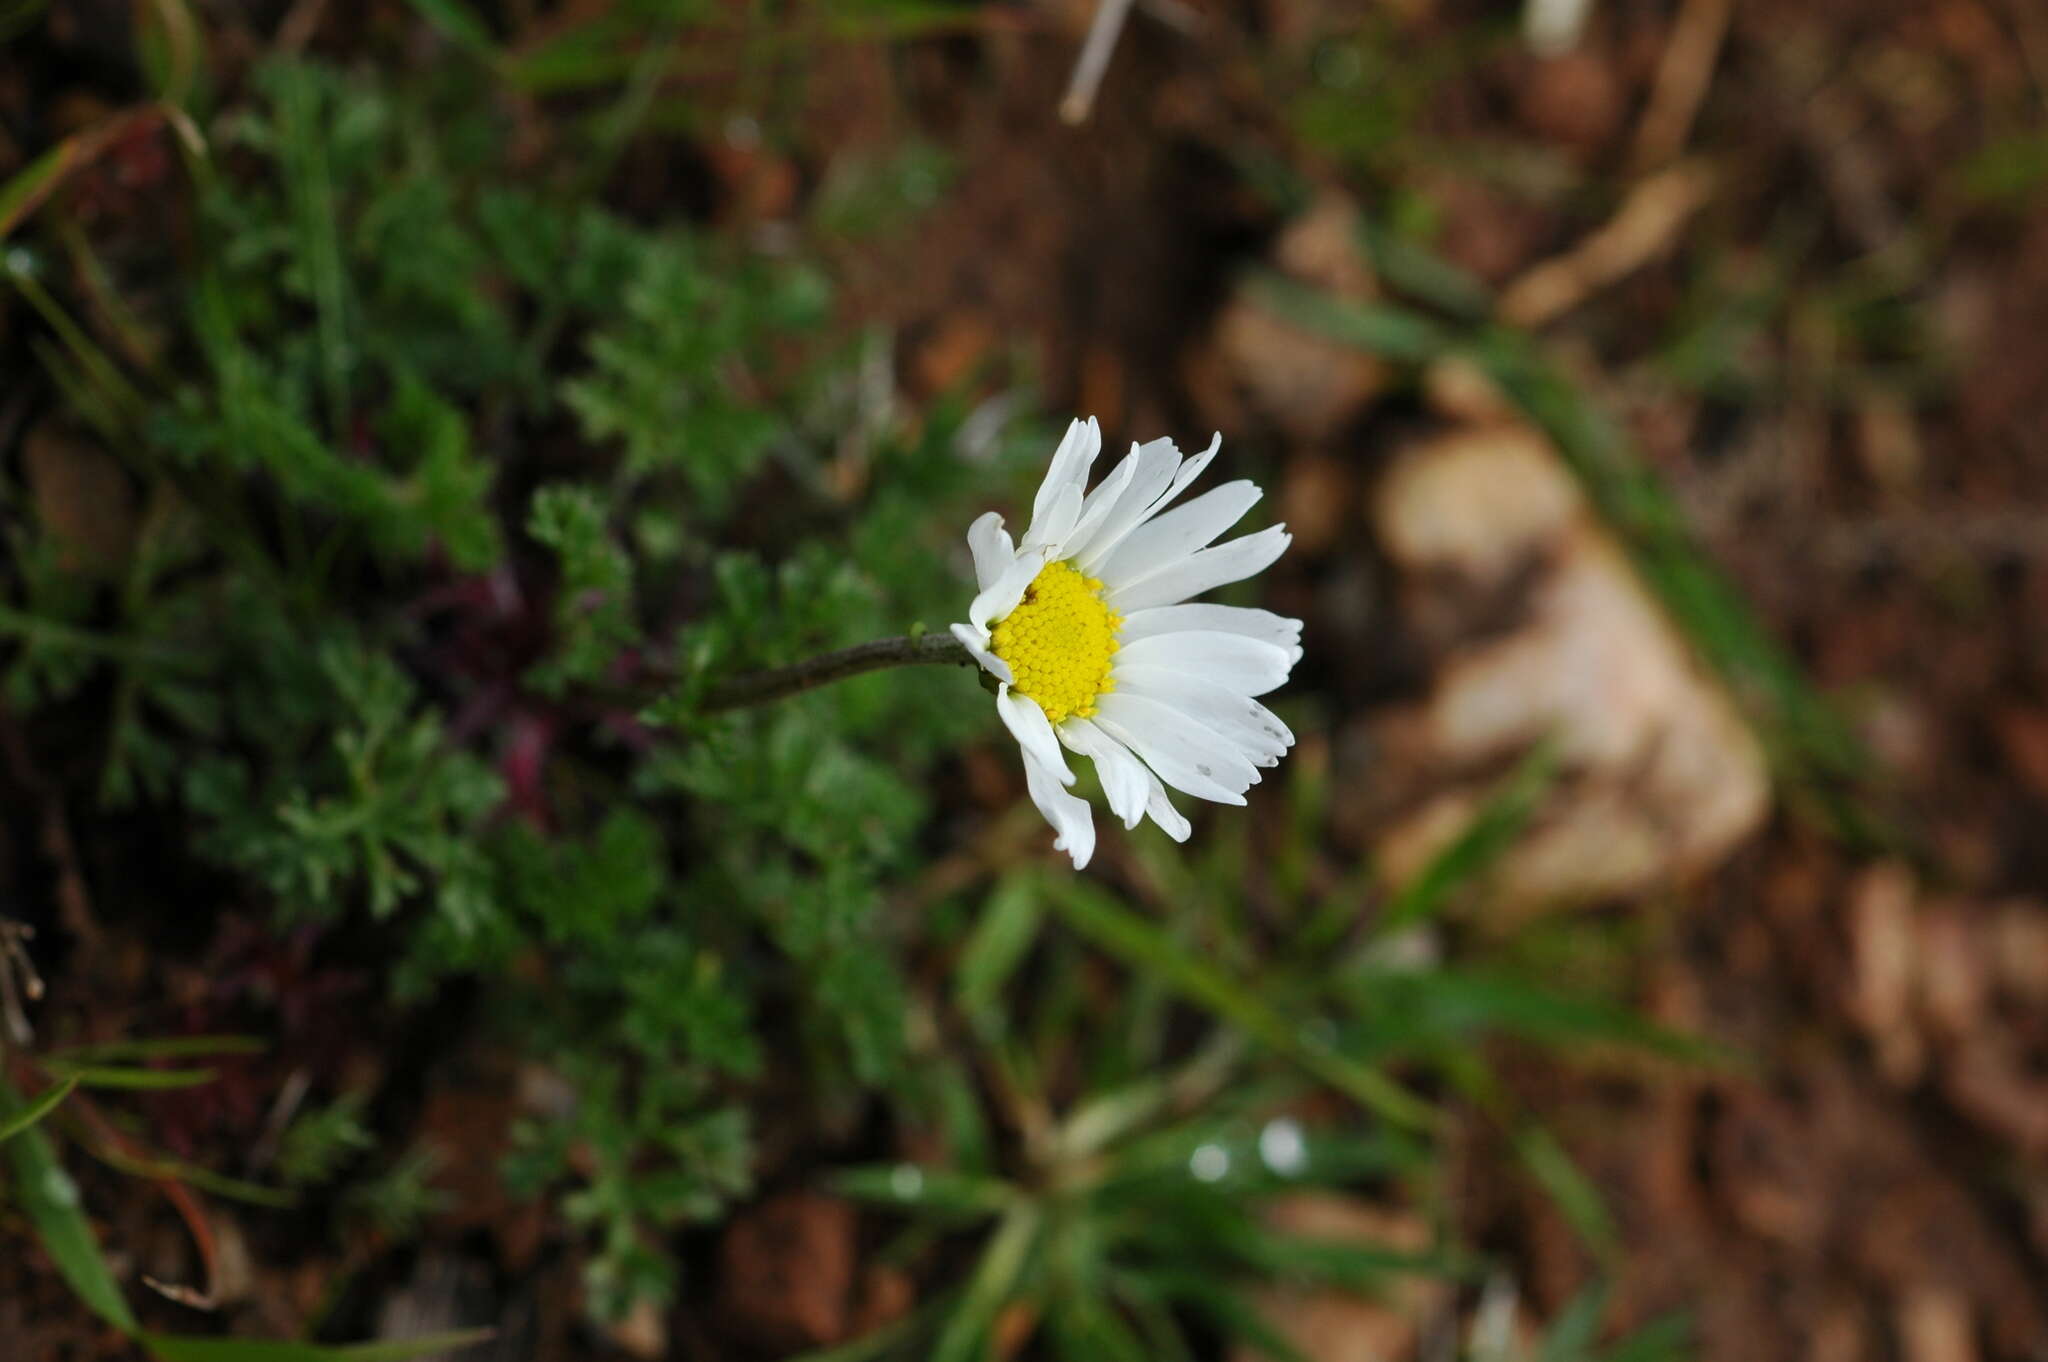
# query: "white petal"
[[1119, 527], [992, 549], [1072, 824], [1125, 781], [1151, 468], [1256, 730], [1051, 527], [977, 644], [1198, 572], [1246, 665], [1069, 467], [1185, 754], [1162, 542], [1099, 504], [1163, 813], [1001, 597], [1033, 731], [1263, 625]]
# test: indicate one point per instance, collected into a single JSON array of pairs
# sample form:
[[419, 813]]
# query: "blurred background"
[[408, 406]]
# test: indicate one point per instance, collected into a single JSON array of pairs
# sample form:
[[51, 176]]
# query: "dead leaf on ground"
[[1547, 633]]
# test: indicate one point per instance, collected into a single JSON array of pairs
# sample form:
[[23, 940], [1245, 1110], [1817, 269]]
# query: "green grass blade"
[[1664, 1339], [965, 1335], [1568, 1188], [167, 1047], [1475, 850], [141, 1080], [1414, 270], [50, 1198], [1000, 940], [1143, 946], [35, 1110], [1395, 333], [930, 1189], [1230, 1313], [1571, 1338]]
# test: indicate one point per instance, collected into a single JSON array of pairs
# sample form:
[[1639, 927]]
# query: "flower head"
[[1086, 629]]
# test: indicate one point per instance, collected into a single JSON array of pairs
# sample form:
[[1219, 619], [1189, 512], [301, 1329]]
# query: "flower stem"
[[776, 683]]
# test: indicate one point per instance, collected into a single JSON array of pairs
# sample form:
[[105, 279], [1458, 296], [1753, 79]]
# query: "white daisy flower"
[[1084, 625]]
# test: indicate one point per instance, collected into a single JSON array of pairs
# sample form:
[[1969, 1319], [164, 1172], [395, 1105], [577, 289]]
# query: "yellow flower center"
[[1058, 642]]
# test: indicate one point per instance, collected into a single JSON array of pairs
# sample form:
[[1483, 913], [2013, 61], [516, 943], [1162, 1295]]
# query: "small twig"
[[776, 683], [289, 1098], [16, 965], [1682, 80], [1093, 62], [1648, 222]]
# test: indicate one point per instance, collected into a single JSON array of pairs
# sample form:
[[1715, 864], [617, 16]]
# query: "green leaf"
[[50, 1198], [35, 1110]]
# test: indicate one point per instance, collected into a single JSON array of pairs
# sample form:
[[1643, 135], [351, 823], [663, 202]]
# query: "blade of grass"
[[1000, 940], [1571, 1338], [1663, 1339], [1229, 1312], [141, 1080], [41, 1105], [1395, 333], [932, 1189], [1412, 269], [171, 48], [1568, 1187], [1138, 943], [965, 1336], [164, 1047], [33, 184], [1475, 850], [174, 1171], [50, 1198], [309, 185]]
